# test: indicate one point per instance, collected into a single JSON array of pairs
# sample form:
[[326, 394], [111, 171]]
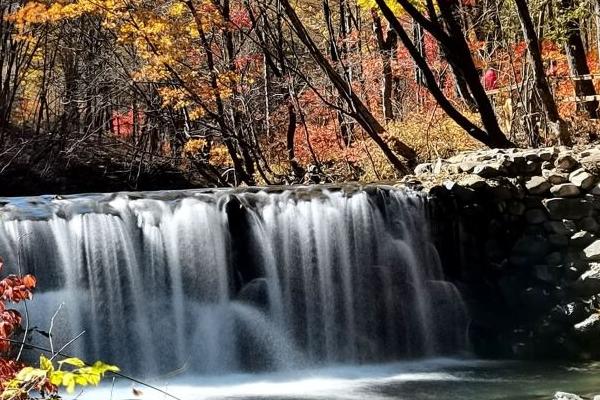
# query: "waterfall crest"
[[225, 281]]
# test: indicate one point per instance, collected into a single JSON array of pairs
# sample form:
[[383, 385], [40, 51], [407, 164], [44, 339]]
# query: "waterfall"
[[229, 280]]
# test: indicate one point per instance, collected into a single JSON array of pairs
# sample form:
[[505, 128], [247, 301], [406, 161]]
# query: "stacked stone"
[[541, 211]]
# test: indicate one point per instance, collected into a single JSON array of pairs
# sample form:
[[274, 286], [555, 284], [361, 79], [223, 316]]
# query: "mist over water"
[[219, 283]]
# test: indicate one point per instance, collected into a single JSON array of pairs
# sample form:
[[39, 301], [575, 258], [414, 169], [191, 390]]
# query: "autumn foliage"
[[13, 289]]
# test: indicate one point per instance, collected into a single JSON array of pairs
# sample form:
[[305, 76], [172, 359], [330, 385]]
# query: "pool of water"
[[422, 380]]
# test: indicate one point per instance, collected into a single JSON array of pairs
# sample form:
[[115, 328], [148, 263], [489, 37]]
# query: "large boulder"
[[561, 208]]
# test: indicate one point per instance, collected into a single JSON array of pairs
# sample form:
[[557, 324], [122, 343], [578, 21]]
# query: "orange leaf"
[[29, 281]]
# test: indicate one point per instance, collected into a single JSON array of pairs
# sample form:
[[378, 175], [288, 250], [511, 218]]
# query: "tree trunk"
[[492, 136], [358, 109], [559, 127], [584, 87], [386, 45]]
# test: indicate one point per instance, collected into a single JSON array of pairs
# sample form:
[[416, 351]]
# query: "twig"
[[52, 327], [66, 345]]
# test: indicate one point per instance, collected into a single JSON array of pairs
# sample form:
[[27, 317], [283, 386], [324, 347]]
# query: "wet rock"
[[566, 163], [590, 326], [582, 179], [565, 190], [255, 292], [537, 185], [565, 396], [588, 283], [582, 239], [561, 208]]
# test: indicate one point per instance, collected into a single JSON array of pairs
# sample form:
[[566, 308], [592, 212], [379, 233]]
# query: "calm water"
[[423, 380]]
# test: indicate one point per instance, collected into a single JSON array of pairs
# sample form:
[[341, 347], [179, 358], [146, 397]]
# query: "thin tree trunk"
[[533, 47], [584, 88], [358, 110]]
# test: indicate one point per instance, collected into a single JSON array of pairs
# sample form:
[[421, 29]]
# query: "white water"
[[214, 283]]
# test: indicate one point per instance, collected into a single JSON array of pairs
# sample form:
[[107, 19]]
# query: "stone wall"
[[519, 233]]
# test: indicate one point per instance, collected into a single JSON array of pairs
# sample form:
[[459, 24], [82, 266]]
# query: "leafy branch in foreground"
[[18, 380]]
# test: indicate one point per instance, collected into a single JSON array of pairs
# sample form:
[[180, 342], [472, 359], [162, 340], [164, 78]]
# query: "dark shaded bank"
[[32, 165]]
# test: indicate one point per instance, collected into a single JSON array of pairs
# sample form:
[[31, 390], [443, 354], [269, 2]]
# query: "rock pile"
[[529, 224]]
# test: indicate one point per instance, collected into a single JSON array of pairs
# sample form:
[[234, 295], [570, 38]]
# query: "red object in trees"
[[490, 80]]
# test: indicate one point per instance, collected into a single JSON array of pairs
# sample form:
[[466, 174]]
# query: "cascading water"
[[224, 281]]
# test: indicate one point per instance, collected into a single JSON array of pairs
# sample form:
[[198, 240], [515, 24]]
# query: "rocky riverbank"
[[519, 232]]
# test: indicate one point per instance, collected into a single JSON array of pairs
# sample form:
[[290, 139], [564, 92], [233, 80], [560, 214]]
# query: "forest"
[[260, 92]]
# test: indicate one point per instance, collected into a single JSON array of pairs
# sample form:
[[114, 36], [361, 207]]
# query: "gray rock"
[[536, 216], [537, 185], [438, 166], [582, 178], [591, 163], [532, 167], [588, 224], [555, 177], [589, 326], [595, 190], [582, 239], [516, 208], [548, 153], [423, 168], [592, 251], [570, 208], [565, 190], [557, 227], [472, 182], [529, 249], [488, 170], [452, 169], [588, 283], [558, 240], [565, 396], [554, 259], [543, 273], [566, 163], [467, 166]]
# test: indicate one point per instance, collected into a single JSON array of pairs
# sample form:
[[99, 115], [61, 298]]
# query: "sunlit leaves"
[[69, 373]]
